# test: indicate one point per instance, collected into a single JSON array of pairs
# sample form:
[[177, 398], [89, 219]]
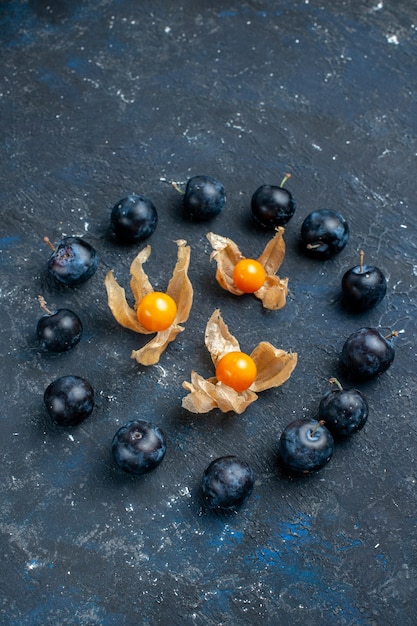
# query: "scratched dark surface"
[[102, 98]]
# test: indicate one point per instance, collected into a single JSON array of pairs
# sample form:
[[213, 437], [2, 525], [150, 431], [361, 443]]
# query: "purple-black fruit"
[[227, 482], [133, 219], [344, 411], [363, 286], [272, 205], [204, 198], [366, 353], [138, 447], [324, 233], [73, 261], [305, 446], [58, 331], [69, 400]]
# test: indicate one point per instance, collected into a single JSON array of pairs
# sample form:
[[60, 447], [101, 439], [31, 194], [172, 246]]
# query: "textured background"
[[106, 97]]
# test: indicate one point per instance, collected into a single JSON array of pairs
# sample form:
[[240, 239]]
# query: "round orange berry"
[[236, 370], [249, 275], [156, 311]]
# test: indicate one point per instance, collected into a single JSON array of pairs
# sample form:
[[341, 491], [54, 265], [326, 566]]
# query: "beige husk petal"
[[274, 253], [218, 338], [273, 293], [226, 253], [209, 394], [151, 352], [274, 367], [122, 312], [139, 282], [179, 288]]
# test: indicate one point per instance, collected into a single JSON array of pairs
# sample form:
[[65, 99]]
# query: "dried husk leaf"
[[151, 352], [179, 288], [273, 293], [139, 282], [226, 253], [209, 394], [274, 253], [122, 312], [274, 367], [218, 338]]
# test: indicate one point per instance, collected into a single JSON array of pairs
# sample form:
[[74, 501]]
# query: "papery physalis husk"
[[179, 288], [274, 367], [226, 253]]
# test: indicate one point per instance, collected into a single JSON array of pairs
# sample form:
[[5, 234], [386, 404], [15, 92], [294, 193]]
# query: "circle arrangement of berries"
[[306, 444]]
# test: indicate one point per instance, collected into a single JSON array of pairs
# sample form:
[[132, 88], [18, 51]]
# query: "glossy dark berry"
[[366, 353], [363, 286], [227, 482], [59, 330], [73, 261], [69, 400], [344, 411], [133, 219], [305, 446], [272, 205], [324, 233], [204, 198], [139, 447]]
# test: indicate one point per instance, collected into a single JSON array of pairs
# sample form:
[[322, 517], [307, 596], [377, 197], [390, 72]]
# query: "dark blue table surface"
[[99, 99]]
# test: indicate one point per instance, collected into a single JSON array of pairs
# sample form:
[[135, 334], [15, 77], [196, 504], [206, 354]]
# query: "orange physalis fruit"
[[239, 380], [156, 311], [241, 275], [153, 312], [236, 370], [249, 275]]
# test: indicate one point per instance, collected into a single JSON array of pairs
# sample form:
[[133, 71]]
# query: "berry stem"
[[177, 188], [393, 333], [316, 427], [49, 243], [335, 381], [284, 180], [43, 306], [174, 185], [361, 257]]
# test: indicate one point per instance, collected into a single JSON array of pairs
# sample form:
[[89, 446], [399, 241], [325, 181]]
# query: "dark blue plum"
[[344, 411], [133, 219], [227, 482], [305, 446], [363, 286], [73, 261], [366, 354], [59, 331], [204, 198], [324, 233], [138, 447], [272, 205], [69, 400]]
